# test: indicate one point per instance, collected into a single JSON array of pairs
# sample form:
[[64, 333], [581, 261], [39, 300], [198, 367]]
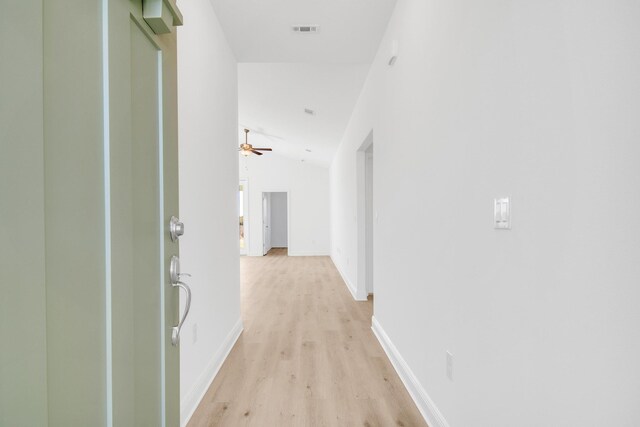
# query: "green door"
[[144, 198], [146, 228], [23, 328], [88, 186]]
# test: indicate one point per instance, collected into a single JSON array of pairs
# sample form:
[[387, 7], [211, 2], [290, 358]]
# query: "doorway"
[[368, 235], [275, 221], [365, 218]]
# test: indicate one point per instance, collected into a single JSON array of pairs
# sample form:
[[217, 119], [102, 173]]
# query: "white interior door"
[[266, 223], [243, 217]]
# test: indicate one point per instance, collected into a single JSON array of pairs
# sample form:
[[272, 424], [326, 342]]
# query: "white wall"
[[279, 220], [308, 187], [538, 101], [208, 196]]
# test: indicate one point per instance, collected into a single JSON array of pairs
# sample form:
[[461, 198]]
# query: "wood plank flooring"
[[307, 356]]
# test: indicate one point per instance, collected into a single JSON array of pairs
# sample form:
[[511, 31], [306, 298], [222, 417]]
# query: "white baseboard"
[[425, 405], [296, 253], [192, 399], [292, 253], [346, 281]]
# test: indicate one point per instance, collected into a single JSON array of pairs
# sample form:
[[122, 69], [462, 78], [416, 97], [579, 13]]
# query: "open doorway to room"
[[368, 235], [243, 216], [275, 222], [365, 223]]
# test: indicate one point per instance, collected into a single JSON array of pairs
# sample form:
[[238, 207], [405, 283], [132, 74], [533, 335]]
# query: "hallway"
[[307, 355]]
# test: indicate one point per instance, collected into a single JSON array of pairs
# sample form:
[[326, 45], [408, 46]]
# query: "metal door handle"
[[174, 277], [175, 331]]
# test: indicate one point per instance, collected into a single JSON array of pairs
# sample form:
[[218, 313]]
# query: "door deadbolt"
[[176, 228]]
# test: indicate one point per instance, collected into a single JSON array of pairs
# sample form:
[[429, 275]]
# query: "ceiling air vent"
[[305, 29], [309, 111]]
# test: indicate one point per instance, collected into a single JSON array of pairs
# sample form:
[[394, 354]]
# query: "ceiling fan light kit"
[[247, 149]]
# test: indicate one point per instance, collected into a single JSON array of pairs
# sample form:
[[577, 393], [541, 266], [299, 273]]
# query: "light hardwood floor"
[[307, 356]]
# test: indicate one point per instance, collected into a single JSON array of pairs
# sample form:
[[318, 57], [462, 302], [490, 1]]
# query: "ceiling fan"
[[246, 149]]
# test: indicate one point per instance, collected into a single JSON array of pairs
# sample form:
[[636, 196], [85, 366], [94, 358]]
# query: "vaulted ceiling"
[[282, 72]]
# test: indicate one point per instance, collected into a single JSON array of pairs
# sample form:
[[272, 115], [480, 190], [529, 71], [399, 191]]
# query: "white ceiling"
[[280, 73], [260, 30], [272, 99]]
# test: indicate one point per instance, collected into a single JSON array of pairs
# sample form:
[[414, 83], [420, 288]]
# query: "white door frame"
[[245, 184], [361, 215], [288, 216], [369, 220], [264, 226]]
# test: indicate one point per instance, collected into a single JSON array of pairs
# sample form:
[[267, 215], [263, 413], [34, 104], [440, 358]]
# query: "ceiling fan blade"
[[263, 149], [256, 152]]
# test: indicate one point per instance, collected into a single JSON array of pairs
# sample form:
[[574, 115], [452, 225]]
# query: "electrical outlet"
[[195, 333], [450, 366]]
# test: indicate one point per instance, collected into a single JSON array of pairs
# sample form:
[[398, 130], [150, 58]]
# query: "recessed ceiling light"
[[309, 111]]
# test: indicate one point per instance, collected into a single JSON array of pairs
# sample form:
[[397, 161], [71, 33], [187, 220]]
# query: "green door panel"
[[23, 355], [86, 309]]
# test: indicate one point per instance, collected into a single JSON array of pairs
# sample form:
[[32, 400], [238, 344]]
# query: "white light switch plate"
[[502, 213]]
